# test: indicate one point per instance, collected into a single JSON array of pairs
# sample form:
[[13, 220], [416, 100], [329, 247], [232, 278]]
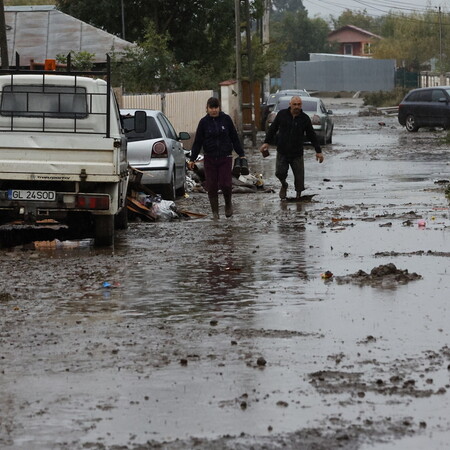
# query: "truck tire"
[[121, 219], [104, 231]]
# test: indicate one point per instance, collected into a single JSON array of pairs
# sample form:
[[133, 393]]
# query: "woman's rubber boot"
[[244, 166], [228, 205], [214, 202]]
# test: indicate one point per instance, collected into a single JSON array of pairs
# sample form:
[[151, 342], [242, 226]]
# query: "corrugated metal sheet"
[[43, 32], [183, 109], [348, 75]]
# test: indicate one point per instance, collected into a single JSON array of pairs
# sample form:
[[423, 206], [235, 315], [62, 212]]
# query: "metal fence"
[[339, 74]]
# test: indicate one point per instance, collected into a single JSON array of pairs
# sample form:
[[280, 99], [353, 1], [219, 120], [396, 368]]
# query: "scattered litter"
[[164, 210], [326, 275], [421, 223], [57, 244], [107, 284]]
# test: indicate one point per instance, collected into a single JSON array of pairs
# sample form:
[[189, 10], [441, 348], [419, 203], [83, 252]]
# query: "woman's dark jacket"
[[288, 133], [217, 136]]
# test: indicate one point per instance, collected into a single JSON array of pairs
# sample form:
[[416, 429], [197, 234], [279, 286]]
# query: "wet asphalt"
[[227, 334]]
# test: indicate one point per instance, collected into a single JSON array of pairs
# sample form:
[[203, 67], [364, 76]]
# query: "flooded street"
[[226, 334]]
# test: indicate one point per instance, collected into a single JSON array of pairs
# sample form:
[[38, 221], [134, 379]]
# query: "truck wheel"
[[104, 231], [121, 219]]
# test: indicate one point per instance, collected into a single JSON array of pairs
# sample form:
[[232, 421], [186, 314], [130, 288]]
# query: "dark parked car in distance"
[[425, 107]]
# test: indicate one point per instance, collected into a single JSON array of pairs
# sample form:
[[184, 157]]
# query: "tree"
[[358, 19], [83, 61], [282, 6], [198, 32], [413, 39], [301, 35]]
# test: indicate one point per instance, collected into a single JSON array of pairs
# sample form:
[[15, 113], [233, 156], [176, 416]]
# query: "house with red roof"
[[353, 41]]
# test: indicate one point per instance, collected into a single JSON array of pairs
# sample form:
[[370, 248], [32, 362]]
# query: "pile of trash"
[[152, 207]]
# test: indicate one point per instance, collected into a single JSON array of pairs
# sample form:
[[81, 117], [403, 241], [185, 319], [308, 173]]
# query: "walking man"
[[288, 130]]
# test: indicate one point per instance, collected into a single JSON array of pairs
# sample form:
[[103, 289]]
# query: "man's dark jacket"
[[288, 133], [217, 136]]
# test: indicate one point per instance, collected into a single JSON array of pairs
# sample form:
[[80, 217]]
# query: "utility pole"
[[3, 40], [265, 43], [123, 19], [441, 69], [245, 88], [237, 20]]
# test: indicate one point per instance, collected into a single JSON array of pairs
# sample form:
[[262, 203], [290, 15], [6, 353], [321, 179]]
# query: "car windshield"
[[309, 106], [152, 131]]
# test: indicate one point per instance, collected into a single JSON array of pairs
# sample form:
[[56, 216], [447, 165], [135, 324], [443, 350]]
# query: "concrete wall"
[[339, 73]]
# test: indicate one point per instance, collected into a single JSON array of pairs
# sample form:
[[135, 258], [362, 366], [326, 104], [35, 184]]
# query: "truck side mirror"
[[140, 121]]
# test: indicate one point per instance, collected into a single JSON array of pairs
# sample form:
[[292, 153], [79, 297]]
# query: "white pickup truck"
[[63, 154]]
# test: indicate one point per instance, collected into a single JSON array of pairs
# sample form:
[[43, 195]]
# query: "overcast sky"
[[325, 8]]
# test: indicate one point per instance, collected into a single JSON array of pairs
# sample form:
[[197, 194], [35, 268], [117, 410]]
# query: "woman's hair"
[[213, 102]]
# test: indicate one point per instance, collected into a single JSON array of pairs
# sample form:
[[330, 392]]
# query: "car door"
[[440, 108], [176, 148], [424, 108]]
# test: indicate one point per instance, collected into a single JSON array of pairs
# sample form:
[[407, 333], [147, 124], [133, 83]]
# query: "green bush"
[[385, 98]]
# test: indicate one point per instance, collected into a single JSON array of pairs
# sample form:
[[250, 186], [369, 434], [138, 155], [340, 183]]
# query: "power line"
[[383, 6]]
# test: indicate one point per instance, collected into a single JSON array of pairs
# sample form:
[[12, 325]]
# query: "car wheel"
[[410, 123], [324, 137], [168, 190], [330, 138], [181, 191]]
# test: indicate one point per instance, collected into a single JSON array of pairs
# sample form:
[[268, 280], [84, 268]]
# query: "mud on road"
[[300, 325]]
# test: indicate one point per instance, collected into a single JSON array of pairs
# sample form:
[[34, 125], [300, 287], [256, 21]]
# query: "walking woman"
[[218, 137]]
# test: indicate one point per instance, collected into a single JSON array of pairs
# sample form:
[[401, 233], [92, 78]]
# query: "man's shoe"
[[298, 196], [283, 190]]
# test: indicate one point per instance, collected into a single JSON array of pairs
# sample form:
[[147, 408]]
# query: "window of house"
[[367, 48], [348, 49]]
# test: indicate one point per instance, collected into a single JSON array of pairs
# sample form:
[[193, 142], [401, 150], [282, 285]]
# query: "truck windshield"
[[44, 101]]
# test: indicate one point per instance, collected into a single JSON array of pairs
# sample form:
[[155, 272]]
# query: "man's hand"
[[319, 157], [191, 165], [264, 149]]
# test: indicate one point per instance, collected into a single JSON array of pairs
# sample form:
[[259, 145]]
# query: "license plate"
[[42, 196]]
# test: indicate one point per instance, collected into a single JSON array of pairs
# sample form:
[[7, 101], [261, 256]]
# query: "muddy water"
[[223, 334]]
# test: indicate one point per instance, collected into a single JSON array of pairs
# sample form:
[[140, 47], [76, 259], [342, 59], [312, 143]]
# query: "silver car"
[[269, 105], [321, 117], [157, 152]]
